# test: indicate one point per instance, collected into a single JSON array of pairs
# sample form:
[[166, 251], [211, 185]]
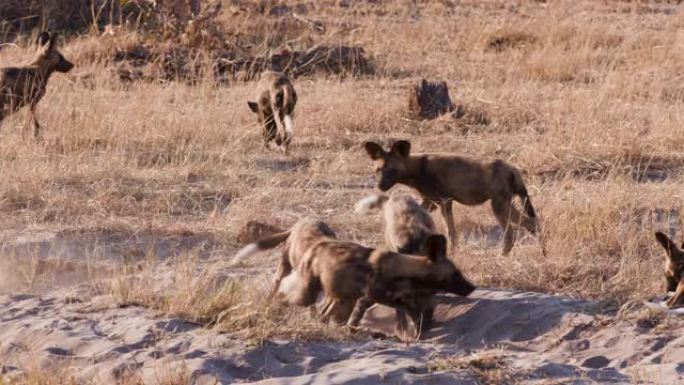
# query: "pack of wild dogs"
[[416, 262]]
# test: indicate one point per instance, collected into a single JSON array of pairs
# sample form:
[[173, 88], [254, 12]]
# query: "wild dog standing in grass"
[[314, 261], [25, 86], [444, 178], [274, 106], [674, 270]]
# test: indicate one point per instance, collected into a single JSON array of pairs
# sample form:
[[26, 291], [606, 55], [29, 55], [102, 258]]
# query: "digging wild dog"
[[408, 283], [407, 227], [444, 178], [274, 106], [674, 270], [314, 261], [25, 86]]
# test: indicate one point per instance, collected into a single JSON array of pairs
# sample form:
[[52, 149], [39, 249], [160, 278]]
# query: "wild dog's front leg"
[[362, 305], [678, 297], [448, 215]]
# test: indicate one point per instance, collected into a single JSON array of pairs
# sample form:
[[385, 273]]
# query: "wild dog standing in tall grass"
[[674, 270], [314, 261], [444, 178], [275, 103], [408, 230], [25, 86]]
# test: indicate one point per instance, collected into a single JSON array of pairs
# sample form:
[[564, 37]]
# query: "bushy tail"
[[371, 202], [259, 246]]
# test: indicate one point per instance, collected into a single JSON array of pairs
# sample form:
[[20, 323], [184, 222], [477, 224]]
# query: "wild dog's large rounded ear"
[[401, 148], [43, 38], [253, 106], [666, 243], [436, 246], [374, 150]]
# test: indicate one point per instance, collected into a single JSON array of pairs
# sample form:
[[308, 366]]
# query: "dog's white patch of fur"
[[289, 125], [245, 252], [290, 287], [371, 202]]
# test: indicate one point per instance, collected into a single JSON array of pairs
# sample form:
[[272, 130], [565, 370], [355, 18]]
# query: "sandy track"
[[535, 338]]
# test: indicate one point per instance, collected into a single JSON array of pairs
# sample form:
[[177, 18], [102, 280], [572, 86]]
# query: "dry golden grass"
[[585, 96]]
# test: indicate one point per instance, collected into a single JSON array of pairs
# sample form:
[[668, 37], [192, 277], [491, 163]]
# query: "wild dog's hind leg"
[[448, 215], [337, 309], [678, 297], [284, 269], [362, 305], [33, 119]]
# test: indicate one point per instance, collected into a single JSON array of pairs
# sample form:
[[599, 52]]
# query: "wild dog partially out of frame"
[[444, 178], [25, 86], [674, 270], [275, 103], [314, 260]]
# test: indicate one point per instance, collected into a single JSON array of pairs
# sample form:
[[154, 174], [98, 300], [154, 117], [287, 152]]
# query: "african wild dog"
[[407, 224], [25, 86], [407, 230], [674, 270], [409, 282], [444, 178], [314, 261], [274, 106]]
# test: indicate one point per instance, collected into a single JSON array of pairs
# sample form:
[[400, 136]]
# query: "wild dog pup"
[[407, 224], [25, 86], [303, 235], [407, 227], [444, 178], [314, 261], [674, 270], [274, 106], [407, 282]]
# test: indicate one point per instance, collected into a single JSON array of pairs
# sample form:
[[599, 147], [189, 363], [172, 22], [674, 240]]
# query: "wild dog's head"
[[389, 165], [445, 275], [674, 265], [275, 106], [48, 56]]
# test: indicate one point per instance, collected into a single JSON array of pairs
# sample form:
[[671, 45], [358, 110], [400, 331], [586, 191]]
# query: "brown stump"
[[429, 100]]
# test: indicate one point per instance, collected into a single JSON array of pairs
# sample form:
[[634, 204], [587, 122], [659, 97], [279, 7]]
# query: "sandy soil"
[[492, 337]]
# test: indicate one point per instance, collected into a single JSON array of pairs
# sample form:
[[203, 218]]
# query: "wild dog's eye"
[[279, 99]]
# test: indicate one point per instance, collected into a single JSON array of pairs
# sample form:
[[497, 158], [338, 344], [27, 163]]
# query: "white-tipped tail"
[[289, 125], [245, 252], [371, 202]]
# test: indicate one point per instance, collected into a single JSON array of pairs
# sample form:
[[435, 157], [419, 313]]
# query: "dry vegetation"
[[587, 97]]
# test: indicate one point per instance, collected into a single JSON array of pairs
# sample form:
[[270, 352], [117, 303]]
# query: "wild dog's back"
[[407, 224]]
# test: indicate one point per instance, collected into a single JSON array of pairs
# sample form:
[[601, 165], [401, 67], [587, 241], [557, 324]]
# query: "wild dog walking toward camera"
[[674, 270], [275, 103], [25, 86], [314, 261], [444, 178]]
